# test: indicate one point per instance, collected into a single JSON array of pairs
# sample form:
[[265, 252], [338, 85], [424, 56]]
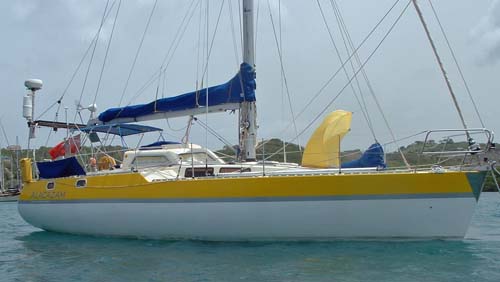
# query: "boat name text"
[[48, 195]]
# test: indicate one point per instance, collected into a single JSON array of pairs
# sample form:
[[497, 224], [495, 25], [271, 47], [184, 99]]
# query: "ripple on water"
[[28, 254]]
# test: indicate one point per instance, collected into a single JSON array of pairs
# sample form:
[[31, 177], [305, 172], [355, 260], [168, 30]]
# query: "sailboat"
[[10, 194], [6, 196], [182, 190]]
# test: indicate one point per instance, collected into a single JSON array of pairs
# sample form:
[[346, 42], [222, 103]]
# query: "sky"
[[47, 40]]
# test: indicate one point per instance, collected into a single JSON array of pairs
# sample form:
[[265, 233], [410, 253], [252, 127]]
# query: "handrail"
[[487, 133], [473, 148]]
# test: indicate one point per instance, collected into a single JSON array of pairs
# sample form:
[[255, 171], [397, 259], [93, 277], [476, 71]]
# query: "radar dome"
[[33, 84]]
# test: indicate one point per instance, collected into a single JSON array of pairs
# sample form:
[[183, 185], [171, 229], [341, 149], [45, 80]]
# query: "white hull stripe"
[[259, 199]]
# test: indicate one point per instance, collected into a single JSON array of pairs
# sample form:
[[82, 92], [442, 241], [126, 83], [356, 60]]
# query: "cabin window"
[[150, 161], [51, 185], [80, 183], [197, 158], [199, 172], [234, 169]]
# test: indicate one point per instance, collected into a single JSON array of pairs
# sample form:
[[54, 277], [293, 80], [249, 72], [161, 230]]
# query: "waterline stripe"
[[257, 199]]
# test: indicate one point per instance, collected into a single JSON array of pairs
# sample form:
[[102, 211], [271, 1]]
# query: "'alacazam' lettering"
[[48, 195]]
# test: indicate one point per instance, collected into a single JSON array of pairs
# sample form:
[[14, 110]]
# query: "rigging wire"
[[233, 35], [48, 109], [362, 106], [441, 67], [206, 91], [179, 35], [344, 32], [173, 46], [211, 45], [4, 133], [359, 69], [283, 74], [214, 133], [256, 31], [282, 87], [175, 43], [198, 60], [107, 51], [164, 84], [138, 51], [336, 8], [330, 79], [282, 90], [75, 72], [158, 74], [356, 73], [48, 138], [456, 63], [91, 59]]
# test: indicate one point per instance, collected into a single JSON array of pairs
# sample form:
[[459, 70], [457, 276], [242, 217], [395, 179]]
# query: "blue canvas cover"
[[120, 129], [373, 157], [60, 168], [230, 92], [159, 144]]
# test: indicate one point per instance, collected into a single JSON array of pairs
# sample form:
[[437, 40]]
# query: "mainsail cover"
[[239, 89], [123, 129], [323, 148]]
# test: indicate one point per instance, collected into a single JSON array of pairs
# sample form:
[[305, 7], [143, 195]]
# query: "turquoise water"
[[28, 254]]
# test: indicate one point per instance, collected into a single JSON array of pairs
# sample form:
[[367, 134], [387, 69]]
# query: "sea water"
[[29, 254]]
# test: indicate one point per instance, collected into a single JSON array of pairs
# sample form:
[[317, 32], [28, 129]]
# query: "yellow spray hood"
[[322, 150]]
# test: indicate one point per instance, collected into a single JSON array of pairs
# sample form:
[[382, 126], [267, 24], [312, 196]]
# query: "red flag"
[[60, 150], [57, 151]]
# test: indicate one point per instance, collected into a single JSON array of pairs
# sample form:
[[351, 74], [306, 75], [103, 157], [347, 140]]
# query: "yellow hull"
[[134, 186]]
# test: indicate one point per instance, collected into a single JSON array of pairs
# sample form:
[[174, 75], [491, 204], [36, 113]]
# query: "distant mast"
[[248, 111]]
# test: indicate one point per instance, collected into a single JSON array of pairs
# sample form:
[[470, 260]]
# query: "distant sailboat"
[[8, 197], [7, 194], [182, 190]]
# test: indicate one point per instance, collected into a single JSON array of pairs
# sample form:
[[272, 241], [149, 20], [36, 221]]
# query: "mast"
[[441, 67], [248, 110]]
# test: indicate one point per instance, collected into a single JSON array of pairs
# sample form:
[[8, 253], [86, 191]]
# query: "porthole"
[[80, 183], [51, 185]]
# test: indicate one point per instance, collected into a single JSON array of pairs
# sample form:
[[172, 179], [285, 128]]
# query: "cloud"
[[486, 35], [21, 10]]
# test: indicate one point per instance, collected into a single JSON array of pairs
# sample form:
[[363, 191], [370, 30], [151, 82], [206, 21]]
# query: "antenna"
[[29, 103]]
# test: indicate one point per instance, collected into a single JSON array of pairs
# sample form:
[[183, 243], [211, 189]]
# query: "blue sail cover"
[[159, 144], [60, 168], [120, 129], [230, 92], [373, 157]]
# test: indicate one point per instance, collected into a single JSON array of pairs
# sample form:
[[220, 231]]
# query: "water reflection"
[[63, 256]]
